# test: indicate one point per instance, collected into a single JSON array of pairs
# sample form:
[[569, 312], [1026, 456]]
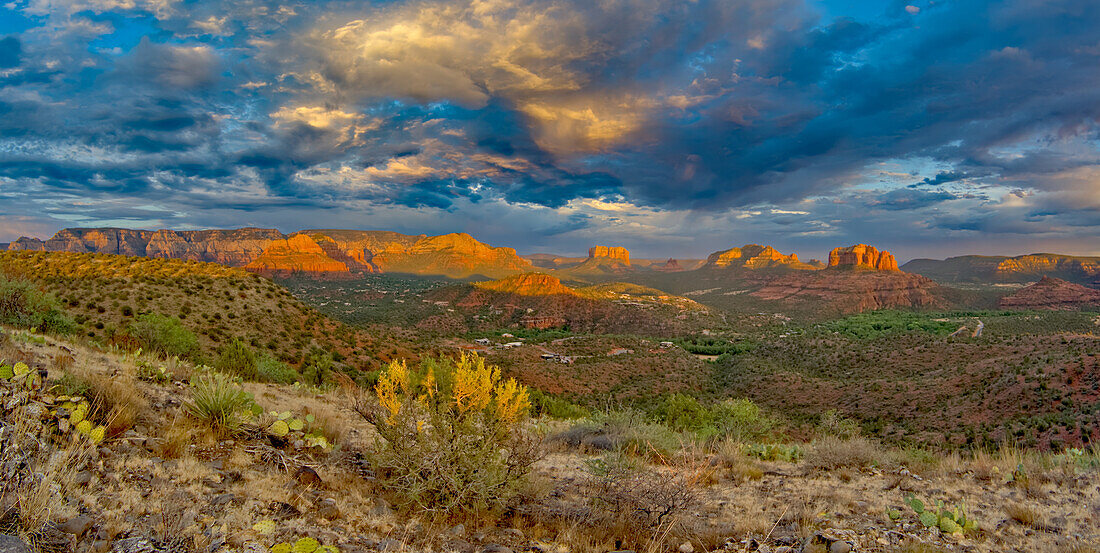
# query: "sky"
[[674, 128]]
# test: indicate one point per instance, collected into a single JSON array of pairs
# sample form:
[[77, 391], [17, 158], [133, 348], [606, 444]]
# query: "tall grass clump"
[[219, 402], [451, 437], [164, 335]]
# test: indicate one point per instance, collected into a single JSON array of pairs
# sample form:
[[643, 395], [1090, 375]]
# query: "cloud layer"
[[676, 128]]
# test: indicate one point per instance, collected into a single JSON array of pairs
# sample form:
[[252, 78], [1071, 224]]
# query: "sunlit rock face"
[[863, 256], [268, 251]]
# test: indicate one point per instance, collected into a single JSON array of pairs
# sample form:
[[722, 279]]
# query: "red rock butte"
[[863, 256], [617, 254]]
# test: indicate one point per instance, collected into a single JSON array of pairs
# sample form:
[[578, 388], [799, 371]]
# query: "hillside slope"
[[105, 293]]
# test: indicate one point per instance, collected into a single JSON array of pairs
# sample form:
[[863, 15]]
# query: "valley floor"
[[161, 484]]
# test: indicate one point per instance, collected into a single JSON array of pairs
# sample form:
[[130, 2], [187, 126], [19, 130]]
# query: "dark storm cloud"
[[941, 178], [905, 198], [707, 106]]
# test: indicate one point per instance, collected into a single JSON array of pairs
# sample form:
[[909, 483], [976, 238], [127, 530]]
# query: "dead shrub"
[[831, 453], [641, 506]]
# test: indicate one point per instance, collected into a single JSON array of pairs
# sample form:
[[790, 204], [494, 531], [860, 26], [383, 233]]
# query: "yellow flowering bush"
[[451, 434]]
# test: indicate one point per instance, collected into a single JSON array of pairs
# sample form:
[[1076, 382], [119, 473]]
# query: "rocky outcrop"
[[670, 266], [528, 284], [298, 254], [1052, 294], [613, 254], [862, 256], [754, 256]]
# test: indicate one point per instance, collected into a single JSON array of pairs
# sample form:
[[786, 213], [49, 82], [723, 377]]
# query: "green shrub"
[[270, 369], [741, 420], [635, 433], [451, 438], [218, 401], [164, 335], [682, 413], [543, 404], [23, 305], [316, 366], [237, 359]]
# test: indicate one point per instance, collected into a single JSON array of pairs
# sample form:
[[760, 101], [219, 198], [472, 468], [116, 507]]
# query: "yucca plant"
[[217, 400]]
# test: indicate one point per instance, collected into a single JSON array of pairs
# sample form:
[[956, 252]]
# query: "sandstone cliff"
[[864, 257], [235, 248], [1053, 294], [457, 255], [754, 256], [298, 254], [320, 251], [602, 260], [613, 254]]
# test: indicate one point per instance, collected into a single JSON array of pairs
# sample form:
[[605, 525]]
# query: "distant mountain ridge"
[[1003, 269], [330, 253]]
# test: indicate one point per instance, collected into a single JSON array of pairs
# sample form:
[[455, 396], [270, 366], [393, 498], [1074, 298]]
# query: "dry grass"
[[830, 453], [116, 398], [37, 498], [176, 438], [912, 546], [1023, 514], [734, 464]]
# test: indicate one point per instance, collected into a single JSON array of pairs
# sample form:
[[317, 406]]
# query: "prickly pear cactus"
[[949, 526], [279, 428], [929, 519], [306, 545], [264, 527]]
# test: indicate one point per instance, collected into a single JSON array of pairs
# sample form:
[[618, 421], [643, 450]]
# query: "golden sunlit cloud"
[[527, 54]]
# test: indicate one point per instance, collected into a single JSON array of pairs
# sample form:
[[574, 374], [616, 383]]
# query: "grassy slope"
[[105, 292]]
